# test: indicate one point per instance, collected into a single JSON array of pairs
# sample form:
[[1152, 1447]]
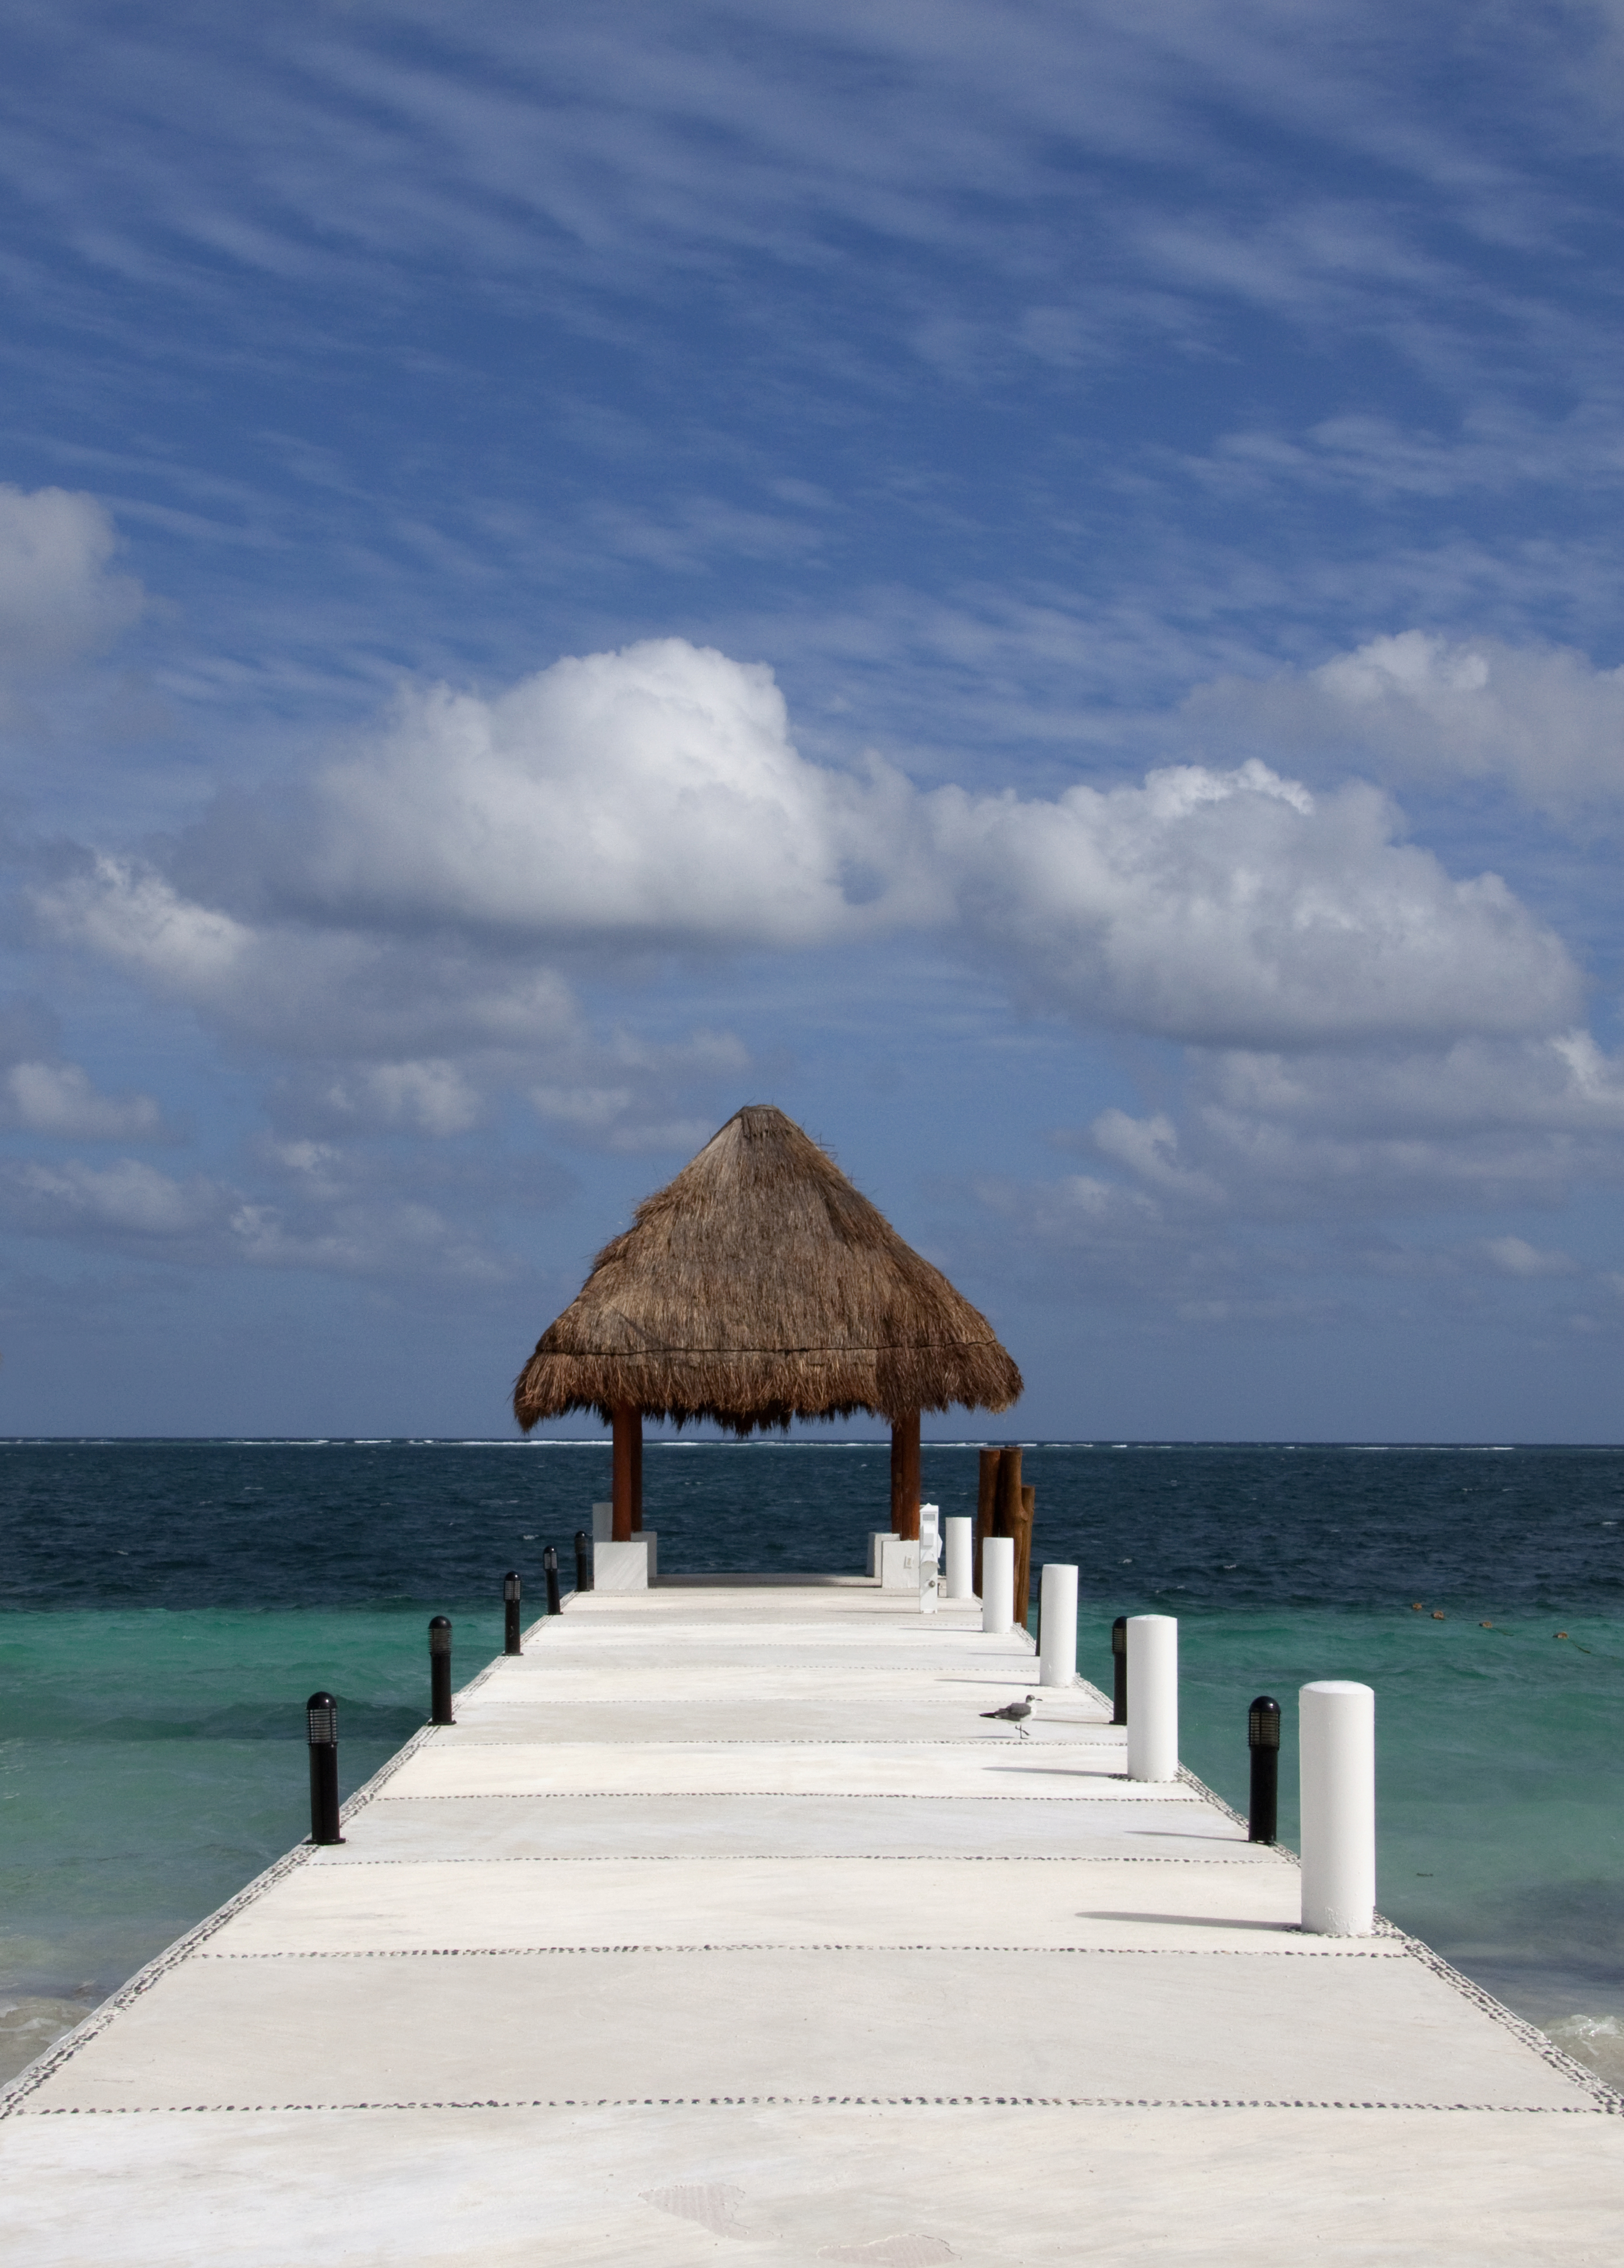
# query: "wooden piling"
[[1013, 1517], [625, 1493], [986, 1510], [904, 1475], [1023, 1554], [1007, 1494]]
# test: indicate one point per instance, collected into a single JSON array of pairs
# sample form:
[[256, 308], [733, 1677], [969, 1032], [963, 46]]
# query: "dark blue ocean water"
[[165, 1607]]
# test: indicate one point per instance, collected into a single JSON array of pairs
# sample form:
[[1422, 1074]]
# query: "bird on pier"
[[1014, 1713]]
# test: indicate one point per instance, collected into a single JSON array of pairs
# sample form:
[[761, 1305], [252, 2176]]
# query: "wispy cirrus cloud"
[[618, 151]]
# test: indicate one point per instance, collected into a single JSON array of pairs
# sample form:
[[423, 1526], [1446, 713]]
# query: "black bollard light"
[[549, 1568], [1263, 1740], [321, 1729], [1119, 1665], [513, 1591], [440, 1671], [582, 1560]]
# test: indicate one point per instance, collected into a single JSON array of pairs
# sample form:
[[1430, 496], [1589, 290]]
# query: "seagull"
[[1014, 1713]]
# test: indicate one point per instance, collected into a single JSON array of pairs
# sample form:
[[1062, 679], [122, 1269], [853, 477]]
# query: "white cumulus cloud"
[[58, 594], [1149, 1147], [652, 794], [408, 932], [1514, 1256], [306, 990], [435, 1097], [1233, 908], [58, 1098], [1416, 705], [1482, 1122], [125, 1196]]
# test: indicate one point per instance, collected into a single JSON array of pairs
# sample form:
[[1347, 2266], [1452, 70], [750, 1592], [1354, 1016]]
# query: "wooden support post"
[[637, 1473], [905, 1476], [1010, 1518], [986, 1507], [1023, 1556], [1007, 1494], [627, 1423]]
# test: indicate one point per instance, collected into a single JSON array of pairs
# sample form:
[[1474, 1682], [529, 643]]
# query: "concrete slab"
[[825, 1663], [994, 1766], [871, 1996], [942, 1902], [830, 1597], [924, 1715], [680, 1621], [483, 1829], [722, 1701], [1000, 1676], [648, 1671], [273, 2032], [766, 2187]]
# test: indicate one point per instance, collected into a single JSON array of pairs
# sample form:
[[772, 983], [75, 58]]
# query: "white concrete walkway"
[[722, 1925]]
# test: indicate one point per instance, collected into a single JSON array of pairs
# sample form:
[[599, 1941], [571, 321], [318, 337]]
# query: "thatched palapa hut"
[[758, 1286]]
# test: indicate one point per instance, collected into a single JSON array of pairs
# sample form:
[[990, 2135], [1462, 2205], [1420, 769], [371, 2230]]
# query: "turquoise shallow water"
[[153, 1763], [171, 1605], [1500, 1780]]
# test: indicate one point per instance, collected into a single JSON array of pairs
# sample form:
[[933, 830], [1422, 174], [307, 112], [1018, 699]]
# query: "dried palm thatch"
[[761, 1287]]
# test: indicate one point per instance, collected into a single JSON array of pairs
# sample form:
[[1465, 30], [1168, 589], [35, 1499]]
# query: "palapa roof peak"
[[758, 1286]]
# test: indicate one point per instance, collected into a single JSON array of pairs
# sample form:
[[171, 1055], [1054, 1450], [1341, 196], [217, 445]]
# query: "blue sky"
[[1039, 584]]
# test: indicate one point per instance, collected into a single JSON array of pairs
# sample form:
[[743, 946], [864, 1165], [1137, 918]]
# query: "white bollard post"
[[958, 1560], [1152, 1696], [1058, 1623], [1336, 1727], [929, 1555], [998, 1583]]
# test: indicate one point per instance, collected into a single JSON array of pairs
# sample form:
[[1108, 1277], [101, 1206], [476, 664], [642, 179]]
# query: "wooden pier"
[[722, 1925]]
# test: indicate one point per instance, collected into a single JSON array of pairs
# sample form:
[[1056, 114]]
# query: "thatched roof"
[[761, 1287]]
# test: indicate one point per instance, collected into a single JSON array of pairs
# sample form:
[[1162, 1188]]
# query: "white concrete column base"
[[1336, 1723], [998, 1584], [1057, 1619], [1152, 1696], [877, 1536], [626, 1566], [898, 1563], [960, 1562]]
